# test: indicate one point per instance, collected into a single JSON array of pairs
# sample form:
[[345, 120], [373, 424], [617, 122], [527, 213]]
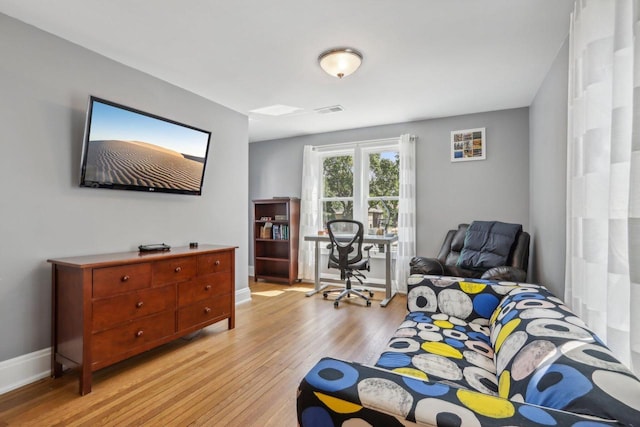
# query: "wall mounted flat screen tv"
[[128, 149]]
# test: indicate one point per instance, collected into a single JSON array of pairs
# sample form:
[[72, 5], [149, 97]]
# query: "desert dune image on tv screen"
[[141, 164], [132, 149]]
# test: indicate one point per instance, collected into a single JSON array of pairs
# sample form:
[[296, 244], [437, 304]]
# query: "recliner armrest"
[[422, 265], [511, 274]]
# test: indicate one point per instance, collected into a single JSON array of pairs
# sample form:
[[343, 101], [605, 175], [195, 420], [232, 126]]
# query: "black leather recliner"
[[444, 264]]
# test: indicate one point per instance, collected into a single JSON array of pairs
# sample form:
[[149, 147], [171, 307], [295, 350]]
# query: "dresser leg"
[[56, 369], [85, 381]]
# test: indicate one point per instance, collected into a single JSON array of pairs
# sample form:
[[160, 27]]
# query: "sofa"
[[501, 251], [474, 352]]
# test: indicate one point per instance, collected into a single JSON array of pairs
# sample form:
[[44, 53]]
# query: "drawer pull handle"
[[125, 278], [207, 310], [207, 288], [178, 269], [217, 262], [139, 333], [139, 304]]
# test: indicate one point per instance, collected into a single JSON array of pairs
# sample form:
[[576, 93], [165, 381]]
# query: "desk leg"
[[389, 294], [316, 284]]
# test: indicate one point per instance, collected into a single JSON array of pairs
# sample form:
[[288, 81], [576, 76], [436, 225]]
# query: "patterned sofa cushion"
[[467, 299], [339, 393], [547, 356], [439, 347]]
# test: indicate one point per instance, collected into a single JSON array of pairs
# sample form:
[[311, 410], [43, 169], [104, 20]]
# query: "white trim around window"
[[360, 152]]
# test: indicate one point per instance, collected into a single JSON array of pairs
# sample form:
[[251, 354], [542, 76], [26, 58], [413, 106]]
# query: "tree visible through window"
[[337, 188], [384, 185], [362, 184]]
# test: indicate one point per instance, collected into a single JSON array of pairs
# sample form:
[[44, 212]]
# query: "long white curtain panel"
[[603, 173], [406, 211]]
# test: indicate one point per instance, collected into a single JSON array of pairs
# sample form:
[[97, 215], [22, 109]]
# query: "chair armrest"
[[430, 266], [375, 396], [511, 274]]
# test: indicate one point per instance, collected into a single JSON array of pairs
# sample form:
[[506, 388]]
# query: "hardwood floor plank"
[[247, 376]]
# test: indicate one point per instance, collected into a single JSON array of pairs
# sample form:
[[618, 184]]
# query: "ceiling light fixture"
[[340, 62]]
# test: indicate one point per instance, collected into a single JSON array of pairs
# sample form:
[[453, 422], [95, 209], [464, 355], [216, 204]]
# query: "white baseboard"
[[28, 368], [25, 369], [243, 295]]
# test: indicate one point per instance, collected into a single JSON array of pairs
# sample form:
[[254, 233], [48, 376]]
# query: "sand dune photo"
[[141, 164]]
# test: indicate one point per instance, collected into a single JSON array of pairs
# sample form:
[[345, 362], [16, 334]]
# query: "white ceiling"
[[422, 58]]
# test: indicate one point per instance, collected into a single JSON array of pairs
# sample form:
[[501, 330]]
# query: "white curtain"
[[308, 212], [406, 211], [603, 173]]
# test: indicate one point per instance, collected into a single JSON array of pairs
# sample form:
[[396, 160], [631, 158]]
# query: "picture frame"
[[468, 144]]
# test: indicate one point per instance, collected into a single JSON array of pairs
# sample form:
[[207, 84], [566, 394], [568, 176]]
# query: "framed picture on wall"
[[468, 144]]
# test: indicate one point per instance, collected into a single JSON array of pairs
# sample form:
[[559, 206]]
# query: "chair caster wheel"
[[368, 303], [371, 294], [335, 304], [325, 295]]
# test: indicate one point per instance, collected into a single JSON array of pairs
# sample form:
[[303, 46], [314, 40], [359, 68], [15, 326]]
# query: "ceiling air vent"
[[329, 110]]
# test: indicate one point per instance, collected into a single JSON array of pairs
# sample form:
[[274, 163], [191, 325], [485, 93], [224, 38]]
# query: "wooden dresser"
[[109, 307]]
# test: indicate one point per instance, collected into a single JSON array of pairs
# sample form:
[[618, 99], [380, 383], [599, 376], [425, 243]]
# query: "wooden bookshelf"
[[275, 239]]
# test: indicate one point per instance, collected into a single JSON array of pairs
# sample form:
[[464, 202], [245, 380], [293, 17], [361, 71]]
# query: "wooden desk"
[[375, 239]]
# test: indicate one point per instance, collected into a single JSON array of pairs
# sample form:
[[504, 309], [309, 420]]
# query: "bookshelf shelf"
[[274, 259], [275, 239]]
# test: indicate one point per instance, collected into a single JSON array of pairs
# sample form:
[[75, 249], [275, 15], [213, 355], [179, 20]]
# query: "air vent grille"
[[329, 110]]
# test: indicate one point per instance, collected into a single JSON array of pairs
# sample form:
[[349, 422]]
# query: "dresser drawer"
[[108, 312], [174, 270], [110, 343], [204, 311], [116, 280], [204, 287], [214, 262]]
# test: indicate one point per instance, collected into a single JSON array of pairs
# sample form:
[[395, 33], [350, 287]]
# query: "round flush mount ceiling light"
[[340, 62]]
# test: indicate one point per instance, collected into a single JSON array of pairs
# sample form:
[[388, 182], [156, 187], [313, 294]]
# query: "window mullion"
[[358, 189], [320, 188]]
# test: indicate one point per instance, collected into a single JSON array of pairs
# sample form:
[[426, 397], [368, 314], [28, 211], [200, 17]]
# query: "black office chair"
[[346, 255]]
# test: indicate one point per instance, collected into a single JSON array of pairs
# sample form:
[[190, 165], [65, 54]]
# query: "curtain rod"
[[357, 143]]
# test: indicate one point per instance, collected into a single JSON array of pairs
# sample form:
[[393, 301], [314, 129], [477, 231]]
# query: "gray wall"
[[447, 193], [548, 166], [45, 83]]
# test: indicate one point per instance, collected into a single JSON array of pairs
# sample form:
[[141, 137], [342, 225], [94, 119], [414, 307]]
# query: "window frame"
[[366, 197], [360, 153], [322, 199]]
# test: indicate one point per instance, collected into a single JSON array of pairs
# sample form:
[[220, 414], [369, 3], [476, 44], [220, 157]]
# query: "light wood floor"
[[244, 377]]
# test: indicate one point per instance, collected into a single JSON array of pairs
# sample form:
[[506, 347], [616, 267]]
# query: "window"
[[383, 190], [361, 183], [337, 187]]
